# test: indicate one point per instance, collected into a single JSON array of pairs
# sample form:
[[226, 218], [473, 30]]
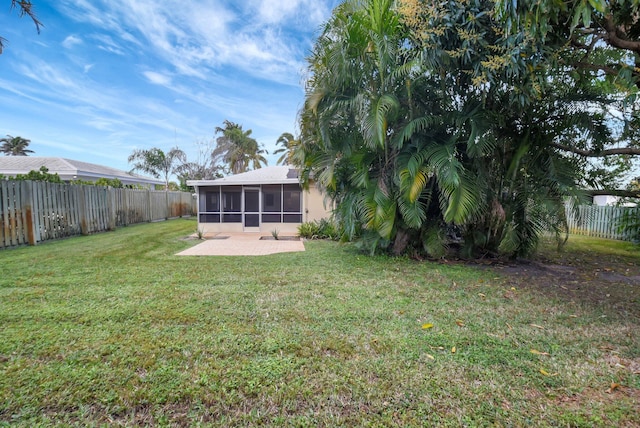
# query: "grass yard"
[[113, 329]]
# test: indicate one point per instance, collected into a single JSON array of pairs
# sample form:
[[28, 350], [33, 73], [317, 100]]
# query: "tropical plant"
[[25, 8], [237, 149], [420, 133], [15, 146], [42, 174], [156, 163], [289, 144], [628, 223]]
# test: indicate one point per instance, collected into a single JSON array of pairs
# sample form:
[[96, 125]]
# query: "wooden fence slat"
[[4, 206], [12, 215]]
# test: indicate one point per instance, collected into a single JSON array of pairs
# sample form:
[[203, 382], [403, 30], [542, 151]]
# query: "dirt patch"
[[609, 282], [280, 238]]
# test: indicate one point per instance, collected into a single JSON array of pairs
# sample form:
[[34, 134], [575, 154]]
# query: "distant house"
[[605, 200], [70, 170], [262, 200]]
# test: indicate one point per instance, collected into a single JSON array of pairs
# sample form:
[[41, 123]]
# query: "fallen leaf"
[[427, 326], [508, 325], [460, 323], [546, 373], [453, 350], [513, 288], [482, 295], [573, 316], [535, 351], [613, 387], [431, 357], [537, 326]]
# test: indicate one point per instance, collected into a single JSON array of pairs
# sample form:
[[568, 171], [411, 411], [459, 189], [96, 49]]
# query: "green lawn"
[[115, 329]]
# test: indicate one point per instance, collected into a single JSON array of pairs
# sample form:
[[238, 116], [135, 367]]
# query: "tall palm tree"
[[289, 144], [237, 149], [359, 124], [155, 162], [15, 146]]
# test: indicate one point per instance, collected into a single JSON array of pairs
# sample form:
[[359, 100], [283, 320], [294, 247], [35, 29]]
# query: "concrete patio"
[[242, 244]]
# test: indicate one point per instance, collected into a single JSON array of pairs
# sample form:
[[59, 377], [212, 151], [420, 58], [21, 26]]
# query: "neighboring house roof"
[[69, 169], [266, 175]]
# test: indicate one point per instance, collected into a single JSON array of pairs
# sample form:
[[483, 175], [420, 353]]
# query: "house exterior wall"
[[315, 207]]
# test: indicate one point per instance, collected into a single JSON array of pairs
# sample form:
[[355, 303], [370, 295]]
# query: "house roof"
[[266, 175], [69, 169]]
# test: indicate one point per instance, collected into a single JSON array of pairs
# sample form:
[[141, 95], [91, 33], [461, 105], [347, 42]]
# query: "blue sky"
[[105, 77]]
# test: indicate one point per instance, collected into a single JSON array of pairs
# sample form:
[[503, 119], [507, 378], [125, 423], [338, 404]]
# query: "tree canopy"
[[449, 124], [237, 149], [286, 152], [202, 168], [155, 162], [15, 146]]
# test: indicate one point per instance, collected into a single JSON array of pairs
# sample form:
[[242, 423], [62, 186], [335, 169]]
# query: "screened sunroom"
[[262, 200]]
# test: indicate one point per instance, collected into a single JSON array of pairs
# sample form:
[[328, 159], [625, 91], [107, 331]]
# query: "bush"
[[629, 224], [309, 230], [320, 229]]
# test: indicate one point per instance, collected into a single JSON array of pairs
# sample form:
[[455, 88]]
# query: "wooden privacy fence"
[[32, 212], [598, 221]]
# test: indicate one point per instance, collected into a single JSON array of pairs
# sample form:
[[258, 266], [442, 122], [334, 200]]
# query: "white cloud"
[[107, 44], [259, 37], [87, 68], [157, 78], [71, 41]]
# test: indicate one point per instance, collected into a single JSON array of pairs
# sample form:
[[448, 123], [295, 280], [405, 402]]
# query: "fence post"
[[27, 209], [149, 209], [82, 198], [111, 204]]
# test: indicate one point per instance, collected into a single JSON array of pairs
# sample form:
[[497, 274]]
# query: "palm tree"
[[14, 146], [237, 149], [358, 126], [289, 144], [155, 162], [408, 146]]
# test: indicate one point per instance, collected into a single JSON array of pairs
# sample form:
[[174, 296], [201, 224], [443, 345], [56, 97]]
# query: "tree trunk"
[[400, 242]]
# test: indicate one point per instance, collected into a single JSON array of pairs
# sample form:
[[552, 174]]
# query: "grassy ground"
[[115, 329]]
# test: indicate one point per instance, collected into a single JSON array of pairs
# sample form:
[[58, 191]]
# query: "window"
[[231, 199], [272, 218], [212, 200], [272, 198], [209, 218], [210, 205], [291, 198]]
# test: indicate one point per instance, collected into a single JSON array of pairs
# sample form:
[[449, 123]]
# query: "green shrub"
[[309, 230], [629, 224], [320, 229]]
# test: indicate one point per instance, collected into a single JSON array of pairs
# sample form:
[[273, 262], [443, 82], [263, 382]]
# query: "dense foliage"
[[237, 150], [15, 146], [431, 125], [42, 174], [156, 162]]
